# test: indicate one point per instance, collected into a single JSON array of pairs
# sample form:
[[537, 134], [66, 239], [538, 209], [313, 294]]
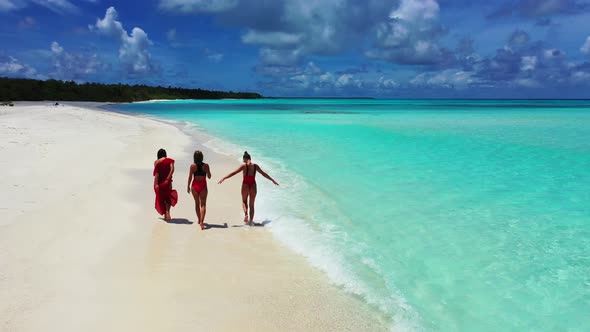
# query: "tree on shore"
[[36, 90]]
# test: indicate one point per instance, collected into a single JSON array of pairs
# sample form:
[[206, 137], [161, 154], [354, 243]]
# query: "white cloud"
[[10, 5], [58, 6], [273, 38], [423, 48], [300, 28], [312, 68], [27, 23], [343, 80], [445, 79], [326, 78], [539, 8], [12, 67], [326, 81], [213, 56], [386, 83], [518, 37], [73, 66], [528, 63], [312, 78], [323, 27], [411, 35], [586, 47], [64, 65], [527, 83], [414, 10], [197, 6], [56, 48], [290, 30], [274, 57], [109, 25], [392, 35], [133, 51], [134, 54], [302, 80], [581, 76]]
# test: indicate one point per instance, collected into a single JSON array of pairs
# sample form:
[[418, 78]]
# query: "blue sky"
[[377, 48]]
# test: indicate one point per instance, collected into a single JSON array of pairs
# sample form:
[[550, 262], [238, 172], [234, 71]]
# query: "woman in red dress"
[[165, 195], [249, 188]]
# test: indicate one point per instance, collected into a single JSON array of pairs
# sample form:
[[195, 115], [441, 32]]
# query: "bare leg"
[[167, 213], [203, 199], [252, 199], [245, 193], [197, 204]]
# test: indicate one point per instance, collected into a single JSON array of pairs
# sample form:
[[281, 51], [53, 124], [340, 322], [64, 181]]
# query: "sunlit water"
[[443, 215]]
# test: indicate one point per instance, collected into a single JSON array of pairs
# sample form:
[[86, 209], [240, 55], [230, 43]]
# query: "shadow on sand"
[[179, 221], [255, 224], [184, 221], [208, 226]]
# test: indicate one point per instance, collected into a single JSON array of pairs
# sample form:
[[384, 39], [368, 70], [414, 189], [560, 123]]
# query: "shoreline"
[[127, 269]]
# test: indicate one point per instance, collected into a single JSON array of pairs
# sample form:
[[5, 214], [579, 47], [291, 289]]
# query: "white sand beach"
[[83, 249]]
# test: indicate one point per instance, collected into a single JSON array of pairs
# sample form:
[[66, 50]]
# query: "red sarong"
[[164, 194]]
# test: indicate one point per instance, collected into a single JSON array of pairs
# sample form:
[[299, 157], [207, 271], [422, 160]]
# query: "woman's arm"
[[171, 172], [232, 174], [208, 171], [156, 175], [191, 170], [265, 175]]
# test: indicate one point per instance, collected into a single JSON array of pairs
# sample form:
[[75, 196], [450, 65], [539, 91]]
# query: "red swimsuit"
[[249, 179], [199, 185]]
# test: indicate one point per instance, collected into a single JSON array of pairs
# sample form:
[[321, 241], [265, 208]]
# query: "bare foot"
[[202, 225], [246, 219]]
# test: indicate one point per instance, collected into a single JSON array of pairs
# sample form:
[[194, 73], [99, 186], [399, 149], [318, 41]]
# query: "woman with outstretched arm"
[[249, 170]]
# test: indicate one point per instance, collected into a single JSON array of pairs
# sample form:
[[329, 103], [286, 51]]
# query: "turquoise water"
[[443, 215]]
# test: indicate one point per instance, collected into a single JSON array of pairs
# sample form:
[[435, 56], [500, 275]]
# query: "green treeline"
[[12, 89]]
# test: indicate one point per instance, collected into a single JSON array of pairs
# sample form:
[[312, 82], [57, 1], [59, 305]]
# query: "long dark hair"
[[198, 157], [162, 153], [247, 156]]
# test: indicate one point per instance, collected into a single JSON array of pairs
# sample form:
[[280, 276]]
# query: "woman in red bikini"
[[198, 173], [248, 185], [165, 195]]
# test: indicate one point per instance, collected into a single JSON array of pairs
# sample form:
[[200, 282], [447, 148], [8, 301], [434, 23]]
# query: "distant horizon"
[[336, 97], [425, 98]]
